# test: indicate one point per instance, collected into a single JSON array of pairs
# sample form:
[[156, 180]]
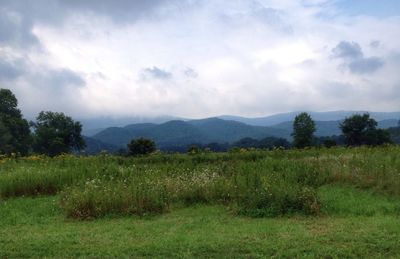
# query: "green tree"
[[56, 133], [5, 140], [303, 130], [15, 129], [141, 146], [361, 130]]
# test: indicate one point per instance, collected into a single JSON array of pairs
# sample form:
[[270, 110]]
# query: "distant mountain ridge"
[[203, 131], [317, 116], [178, 132], [330, 128], [92, 126]]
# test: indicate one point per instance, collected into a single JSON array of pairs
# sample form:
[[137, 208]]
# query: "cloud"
[[155, 73], [10, 70], [366, 65], [16, 29], [345, 49], [117, 10], [354, 59], [64, 77], [375, 44], [18, 18], [190, 72], [196, 58]]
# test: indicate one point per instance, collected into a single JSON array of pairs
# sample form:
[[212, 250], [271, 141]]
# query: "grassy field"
[[329, 203]]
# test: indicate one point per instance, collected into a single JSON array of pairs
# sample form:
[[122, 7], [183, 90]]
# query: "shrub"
[[141, 146], [97, 198]]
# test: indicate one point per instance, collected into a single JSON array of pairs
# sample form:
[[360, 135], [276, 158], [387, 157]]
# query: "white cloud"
[[219, 57]]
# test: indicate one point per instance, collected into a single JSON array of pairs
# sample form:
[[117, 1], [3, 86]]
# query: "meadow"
[[338, 202]]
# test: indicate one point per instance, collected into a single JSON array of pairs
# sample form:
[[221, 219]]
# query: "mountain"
[[180, 133], [92, 126], [162, 134], [329, 128], [324, 128], [222, 131], [317, 116], [384, 124]]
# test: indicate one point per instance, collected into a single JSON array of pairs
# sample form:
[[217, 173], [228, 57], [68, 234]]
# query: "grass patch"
[[253, 183], [37, 228], [346, 200]]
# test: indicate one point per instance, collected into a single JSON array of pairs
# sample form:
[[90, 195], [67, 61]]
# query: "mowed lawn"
[[355, 223]]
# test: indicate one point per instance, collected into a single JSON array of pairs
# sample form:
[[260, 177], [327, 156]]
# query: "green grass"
[[35, 227], [346, 200], [324, 203]]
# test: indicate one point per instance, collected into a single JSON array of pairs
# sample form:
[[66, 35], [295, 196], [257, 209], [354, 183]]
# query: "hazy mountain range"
[[317, 116], [224, 129]]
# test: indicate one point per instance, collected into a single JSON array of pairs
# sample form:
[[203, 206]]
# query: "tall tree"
[[56, 133], [15, 129], [303, 130], [361, 130], [5, 140]]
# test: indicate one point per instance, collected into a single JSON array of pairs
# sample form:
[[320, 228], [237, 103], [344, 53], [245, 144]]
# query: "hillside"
[[317, 116], [324, 128], [182, 133], [178, 133], [329, 128], [92, 126]]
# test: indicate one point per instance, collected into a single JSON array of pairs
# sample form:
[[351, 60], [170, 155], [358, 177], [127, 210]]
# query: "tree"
[[14, 129], [361, 130], [378, 137], [56, 133], [141, 146], [303, 130], [5, 140]]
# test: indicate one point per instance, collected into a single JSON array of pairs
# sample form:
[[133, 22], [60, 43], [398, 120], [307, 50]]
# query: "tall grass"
[[255, 183]]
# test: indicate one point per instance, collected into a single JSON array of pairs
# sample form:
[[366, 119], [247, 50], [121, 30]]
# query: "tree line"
[[51, 134], [54, 133], [357, 130]]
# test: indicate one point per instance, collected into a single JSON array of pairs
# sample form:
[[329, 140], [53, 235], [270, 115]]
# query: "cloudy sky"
[[200, 58]]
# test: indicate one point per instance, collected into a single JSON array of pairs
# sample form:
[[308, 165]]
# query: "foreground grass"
[[256, 183], [36, 227], [329, 203]]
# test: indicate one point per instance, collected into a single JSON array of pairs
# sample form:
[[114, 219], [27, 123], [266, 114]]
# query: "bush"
[[97, 198], [141, 146]]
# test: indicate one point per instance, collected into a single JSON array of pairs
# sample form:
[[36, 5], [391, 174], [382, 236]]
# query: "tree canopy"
[[15, 132], [303, 130], [362, 130], [56, 133]]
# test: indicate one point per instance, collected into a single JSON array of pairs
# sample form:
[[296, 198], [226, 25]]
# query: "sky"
[[200, 58]]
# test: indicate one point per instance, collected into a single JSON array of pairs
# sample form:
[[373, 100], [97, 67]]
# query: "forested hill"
[[178, 132], [183, 133]]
